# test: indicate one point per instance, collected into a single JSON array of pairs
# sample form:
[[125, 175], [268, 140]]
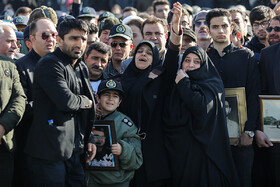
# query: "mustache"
[[96, 67], [273, 36]]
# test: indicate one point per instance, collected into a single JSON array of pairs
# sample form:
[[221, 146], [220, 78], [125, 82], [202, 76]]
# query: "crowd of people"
[[161, 76]]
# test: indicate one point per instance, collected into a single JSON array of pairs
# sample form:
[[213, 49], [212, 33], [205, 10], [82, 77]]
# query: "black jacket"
[[238, 68], [270, 70], [58, 109], [256, 46], [26, 67]]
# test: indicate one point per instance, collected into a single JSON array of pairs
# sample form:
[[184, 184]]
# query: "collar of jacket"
[[226, 50], [256, 42], [64, 57], [35, 55]]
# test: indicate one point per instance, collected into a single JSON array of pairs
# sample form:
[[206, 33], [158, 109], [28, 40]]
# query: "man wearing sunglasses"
[[64, 112], [121, 43], [273, 30], [260, 17], [43, 39], [267, 154], [201, 30]]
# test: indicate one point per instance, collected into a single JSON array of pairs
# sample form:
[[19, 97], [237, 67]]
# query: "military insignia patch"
[[86, 10], [7, 72], [120, 29], [111, 84], [126, 121], [19, 20]]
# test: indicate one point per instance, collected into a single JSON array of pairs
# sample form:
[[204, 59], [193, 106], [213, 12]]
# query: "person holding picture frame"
[[128, 146]]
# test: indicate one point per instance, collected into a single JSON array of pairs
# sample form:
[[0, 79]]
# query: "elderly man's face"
[[8, 42]]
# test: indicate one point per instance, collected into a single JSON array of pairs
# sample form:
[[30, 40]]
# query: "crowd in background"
[[157, 68]]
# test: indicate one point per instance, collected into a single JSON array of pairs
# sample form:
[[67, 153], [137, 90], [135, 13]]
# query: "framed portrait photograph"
[[104, 136], [270, 116], [236, 112]]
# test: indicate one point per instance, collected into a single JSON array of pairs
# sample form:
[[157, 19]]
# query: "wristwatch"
[[251, 134]]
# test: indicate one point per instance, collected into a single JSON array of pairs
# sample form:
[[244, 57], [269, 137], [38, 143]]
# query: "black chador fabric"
[[195, 126], [143, 103]]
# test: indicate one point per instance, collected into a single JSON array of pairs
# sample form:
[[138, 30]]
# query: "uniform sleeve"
[[131, 157], [14, 110], [51, 77]]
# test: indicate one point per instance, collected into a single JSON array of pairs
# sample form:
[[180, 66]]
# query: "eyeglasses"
[[276, 29], [46, 35], [121, 44], [262, 24], [198, 23]]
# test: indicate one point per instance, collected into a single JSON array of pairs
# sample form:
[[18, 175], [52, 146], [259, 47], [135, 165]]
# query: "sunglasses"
[[198, 23], [276, 29], [121, 44], [46, 35]]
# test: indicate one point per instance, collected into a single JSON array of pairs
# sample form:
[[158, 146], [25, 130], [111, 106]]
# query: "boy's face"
[[109, 101]]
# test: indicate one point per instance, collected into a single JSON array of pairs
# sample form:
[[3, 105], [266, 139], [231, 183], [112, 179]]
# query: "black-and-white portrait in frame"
[[236, 112], [104, 137], [232, 117], [270, 116]]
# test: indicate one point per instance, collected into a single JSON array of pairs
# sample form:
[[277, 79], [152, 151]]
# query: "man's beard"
[[271, 39]]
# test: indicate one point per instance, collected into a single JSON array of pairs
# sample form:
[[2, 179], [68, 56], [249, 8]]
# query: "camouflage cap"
[[43, 11], [108, 23]]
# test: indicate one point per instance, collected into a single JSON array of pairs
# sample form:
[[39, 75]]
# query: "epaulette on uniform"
[[127, 122]]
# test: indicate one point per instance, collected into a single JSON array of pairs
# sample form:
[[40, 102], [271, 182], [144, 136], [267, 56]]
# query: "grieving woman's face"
[[143, 57], [191, 62]]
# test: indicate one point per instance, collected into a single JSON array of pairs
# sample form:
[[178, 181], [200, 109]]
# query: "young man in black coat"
[[237, 68], [63, 112]]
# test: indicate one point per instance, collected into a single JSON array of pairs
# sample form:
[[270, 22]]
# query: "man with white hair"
[[8, 39]]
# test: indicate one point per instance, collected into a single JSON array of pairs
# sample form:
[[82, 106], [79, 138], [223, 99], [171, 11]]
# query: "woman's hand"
[[177, 13], [180, 75]]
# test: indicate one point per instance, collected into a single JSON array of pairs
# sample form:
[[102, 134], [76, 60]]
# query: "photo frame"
[[269, 116], [104, 136], [236, 111]]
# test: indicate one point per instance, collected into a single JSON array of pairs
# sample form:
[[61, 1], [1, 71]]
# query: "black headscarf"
[[196, 109], [133, 81]]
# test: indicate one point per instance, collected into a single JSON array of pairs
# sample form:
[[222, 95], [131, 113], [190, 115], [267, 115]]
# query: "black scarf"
[[133, 82]]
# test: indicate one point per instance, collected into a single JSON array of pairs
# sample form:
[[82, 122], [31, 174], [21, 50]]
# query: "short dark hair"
[[136, 22], [92, 28], [129, 8], [23, 10], [217, 12], [261, 12], [160, 2], [33, 25], [71, 24], [153, 20], [100, 47]]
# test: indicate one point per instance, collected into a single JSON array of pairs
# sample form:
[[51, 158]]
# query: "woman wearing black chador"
[[195, 126], [146, 82]]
